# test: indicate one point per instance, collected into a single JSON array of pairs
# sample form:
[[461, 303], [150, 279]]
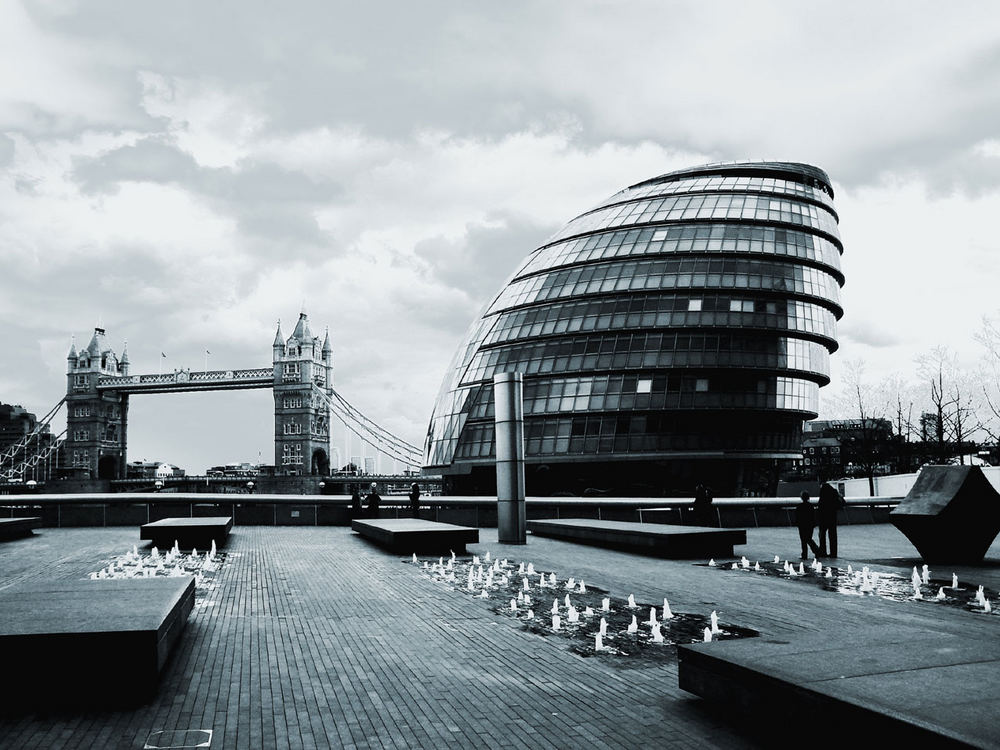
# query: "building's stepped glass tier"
[[678, 333]]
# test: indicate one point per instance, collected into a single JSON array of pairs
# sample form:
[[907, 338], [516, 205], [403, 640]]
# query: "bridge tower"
[[303, 385], [95, 420]]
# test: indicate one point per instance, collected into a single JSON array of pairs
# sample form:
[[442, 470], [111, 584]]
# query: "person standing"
[[703, 506], [415, 500], [355, 502], [805, 519], [830, 503], [373, 500]]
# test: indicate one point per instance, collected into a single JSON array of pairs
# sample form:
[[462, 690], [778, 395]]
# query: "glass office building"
[[676, 334]]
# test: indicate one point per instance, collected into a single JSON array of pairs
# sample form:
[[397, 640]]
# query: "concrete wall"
[[897, 485], [294, 510]]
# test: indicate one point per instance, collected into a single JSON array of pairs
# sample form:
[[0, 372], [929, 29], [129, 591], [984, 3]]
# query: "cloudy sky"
[[187, 173]]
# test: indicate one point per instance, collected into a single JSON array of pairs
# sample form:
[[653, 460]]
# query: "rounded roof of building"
[[781, 169]]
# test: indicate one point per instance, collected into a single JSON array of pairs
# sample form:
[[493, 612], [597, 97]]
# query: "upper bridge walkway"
[[184, 380]]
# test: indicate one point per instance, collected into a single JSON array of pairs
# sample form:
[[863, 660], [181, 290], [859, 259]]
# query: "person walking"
[[415, 500], [830, 502], [355, 502], [373, 501], [805, 519]]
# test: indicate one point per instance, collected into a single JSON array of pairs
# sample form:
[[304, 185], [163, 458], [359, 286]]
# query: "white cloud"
[[989, 148], [52, 81], [393, 180], [207, 121]]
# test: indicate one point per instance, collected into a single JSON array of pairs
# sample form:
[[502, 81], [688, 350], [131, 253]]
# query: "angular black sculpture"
[[951, 514]]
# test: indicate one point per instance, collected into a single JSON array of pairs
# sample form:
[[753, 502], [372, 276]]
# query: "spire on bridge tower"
[[279, 343], [328, 360], [72, 349], [302, 332], [97, 343]]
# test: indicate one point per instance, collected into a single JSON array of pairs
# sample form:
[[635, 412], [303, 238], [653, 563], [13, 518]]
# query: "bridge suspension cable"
[[40, 426], [373, 434], [381, 431], [42, 453], [23, 459]]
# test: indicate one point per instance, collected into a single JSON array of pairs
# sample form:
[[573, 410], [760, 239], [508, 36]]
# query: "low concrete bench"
[[188, 532], [652, 538], [14, 528], [922, 689], [408, 535], [88, 642]]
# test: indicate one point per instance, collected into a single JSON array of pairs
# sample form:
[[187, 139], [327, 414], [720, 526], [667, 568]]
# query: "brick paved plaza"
[[315, 638]]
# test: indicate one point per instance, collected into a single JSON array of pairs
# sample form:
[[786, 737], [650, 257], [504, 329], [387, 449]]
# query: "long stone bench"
[[652, 538], [188, 532], [88, 642], [414, 535], [921, 689], [13, 528]]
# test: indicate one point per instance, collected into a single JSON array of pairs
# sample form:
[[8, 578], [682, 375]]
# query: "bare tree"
[[989, 376], [953, 399], [867, 406], [901, 399]]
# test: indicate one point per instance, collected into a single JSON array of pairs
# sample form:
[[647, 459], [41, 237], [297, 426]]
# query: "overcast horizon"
[[186, 174]]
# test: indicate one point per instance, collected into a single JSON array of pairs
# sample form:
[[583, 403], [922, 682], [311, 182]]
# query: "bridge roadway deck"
[[314, 638]]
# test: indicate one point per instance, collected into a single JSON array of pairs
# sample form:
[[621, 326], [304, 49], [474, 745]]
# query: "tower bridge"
[[99, 385]]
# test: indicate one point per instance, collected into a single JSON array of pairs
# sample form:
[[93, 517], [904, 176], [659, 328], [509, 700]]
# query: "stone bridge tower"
[[95, 420], [303, 385]]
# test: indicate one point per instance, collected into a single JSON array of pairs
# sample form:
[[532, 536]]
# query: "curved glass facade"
[[676, 334]]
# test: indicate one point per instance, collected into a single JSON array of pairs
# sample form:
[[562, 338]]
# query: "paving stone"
[[314, 638]]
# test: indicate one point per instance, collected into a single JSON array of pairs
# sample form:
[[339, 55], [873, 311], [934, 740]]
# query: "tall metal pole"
[[509, 422]]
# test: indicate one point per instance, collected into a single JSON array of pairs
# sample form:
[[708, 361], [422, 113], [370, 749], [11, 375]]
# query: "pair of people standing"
[[806, 518], [372, 499]]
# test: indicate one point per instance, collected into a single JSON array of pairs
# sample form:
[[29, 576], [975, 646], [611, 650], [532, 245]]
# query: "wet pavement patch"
[[203, 566], [580, 608], [848, 581]]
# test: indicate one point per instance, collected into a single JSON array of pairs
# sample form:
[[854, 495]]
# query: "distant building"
[[821, 457], [153, 470], [369, 464], [836, 448], [930, 427], [15, 423], [243, 469], [27, 444]]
